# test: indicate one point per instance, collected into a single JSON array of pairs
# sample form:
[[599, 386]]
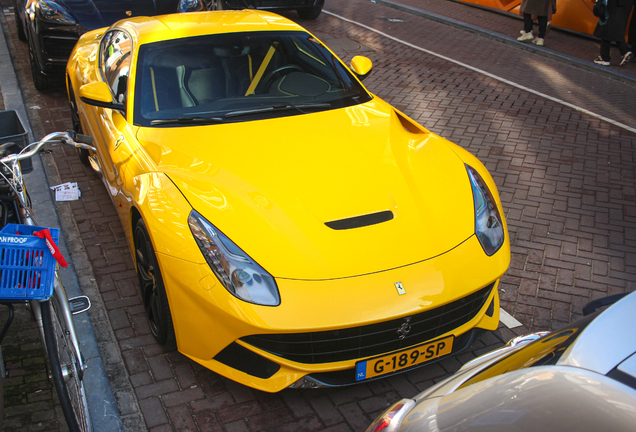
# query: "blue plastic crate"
[[27, 267]]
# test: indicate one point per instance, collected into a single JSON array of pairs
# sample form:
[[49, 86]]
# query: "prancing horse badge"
[[400, 288]]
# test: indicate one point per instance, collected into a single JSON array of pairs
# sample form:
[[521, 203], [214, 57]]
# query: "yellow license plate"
[[404, 359]]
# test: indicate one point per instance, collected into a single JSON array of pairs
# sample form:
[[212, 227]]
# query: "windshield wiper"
[[286, 107], [187, 120]]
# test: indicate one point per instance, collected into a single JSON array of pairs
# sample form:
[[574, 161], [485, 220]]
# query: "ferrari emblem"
[[129, 13], [400, 288], [404, 329]]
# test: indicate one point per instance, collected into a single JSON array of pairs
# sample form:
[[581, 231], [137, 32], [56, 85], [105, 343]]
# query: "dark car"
[[53, 27], [307, 9], [580, 378]]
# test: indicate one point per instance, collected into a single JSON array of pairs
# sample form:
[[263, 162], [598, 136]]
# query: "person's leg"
[[626, 52], [604, 58], [623, 47], [543, 24], [631, 36], [527, 23], [526, 33], [605, 50]]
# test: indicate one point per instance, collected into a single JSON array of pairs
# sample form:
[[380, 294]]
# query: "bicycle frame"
[[27, 218]]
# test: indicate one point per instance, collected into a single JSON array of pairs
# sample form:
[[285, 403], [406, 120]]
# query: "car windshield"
[[239, 77]]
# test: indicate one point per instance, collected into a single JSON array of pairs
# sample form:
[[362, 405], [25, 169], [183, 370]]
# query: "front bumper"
[[217, 330], [52, 44], [273, 5]]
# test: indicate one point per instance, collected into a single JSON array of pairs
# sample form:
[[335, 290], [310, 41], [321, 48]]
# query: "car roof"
[[607, 341], [183, 25]]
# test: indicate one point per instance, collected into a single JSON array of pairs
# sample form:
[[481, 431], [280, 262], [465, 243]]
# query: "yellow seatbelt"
[[261, 69], [154, 88]]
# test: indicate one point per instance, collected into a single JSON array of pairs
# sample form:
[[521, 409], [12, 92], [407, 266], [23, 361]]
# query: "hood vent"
[[361, 221]]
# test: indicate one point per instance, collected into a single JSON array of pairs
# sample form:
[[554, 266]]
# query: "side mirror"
[[98, 94], [361, 66]]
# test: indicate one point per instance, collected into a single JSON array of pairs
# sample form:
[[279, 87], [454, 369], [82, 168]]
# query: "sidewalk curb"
[[103, 407], [545, 52]]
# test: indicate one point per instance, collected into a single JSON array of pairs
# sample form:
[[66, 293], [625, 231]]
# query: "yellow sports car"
[[289, 228]]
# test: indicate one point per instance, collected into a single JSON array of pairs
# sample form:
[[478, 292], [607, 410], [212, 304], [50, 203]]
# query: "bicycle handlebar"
[[82, 139], [69, 137]]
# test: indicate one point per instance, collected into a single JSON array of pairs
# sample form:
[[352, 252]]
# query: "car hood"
[[271, 186], [545, 398], [94, 14]]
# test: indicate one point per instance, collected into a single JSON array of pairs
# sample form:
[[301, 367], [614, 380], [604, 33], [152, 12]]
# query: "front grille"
[[58, 47], [269, 4], [374, 339]]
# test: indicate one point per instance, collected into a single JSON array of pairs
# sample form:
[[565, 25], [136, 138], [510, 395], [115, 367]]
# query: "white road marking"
[[507, 319], [483, 72]]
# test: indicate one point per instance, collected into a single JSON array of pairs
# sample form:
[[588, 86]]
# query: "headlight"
[[488, 221], [52, 12], [238, 273], [190, 6]]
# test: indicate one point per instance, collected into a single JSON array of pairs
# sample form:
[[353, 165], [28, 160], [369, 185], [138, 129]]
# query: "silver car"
[[580, 378]]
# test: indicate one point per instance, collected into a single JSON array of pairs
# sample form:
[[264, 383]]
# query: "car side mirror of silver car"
[[98, 94], [361, 66]]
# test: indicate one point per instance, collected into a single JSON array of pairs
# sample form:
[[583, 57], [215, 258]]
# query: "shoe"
[[627, 57], [525, 36], [538, 41], [599, 61], [548, 28]]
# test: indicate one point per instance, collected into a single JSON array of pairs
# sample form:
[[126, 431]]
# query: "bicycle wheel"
[[65, 369]]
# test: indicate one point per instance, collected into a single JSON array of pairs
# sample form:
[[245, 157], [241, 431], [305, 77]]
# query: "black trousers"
[[631, 37], [605, 48], [527, 24]]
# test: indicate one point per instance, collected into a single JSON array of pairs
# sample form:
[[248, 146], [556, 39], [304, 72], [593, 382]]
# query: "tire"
[[310, 14], [153, 291], [83, 154], [65, 367], [39, 79], [19, 27], [1, 402]]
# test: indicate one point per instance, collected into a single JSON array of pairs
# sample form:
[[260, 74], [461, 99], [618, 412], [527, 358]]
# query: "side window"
[[115, 56]]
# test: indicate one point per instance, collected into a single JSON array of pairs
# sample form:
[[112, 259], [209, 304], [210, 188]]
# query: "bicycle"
[[52, 309]]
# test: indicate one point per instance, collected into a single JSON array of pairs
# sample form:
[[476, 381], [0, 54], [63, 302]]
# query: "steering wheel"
[[270, 77]]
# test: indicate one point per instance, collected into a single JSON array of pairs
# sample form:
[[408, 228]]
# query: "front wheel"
[[153, 292], [40, 81], [83, 154], [20, 27], [65, 367]]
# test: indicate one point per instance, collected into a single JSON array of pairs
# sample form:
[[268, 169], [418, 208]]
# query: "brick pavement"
[[507, 24], [610, 98], [566, 181]]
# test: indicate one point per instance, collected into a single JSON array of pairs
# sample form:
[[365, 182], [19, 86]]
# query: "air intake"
[[373, 339], [361, 221]]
